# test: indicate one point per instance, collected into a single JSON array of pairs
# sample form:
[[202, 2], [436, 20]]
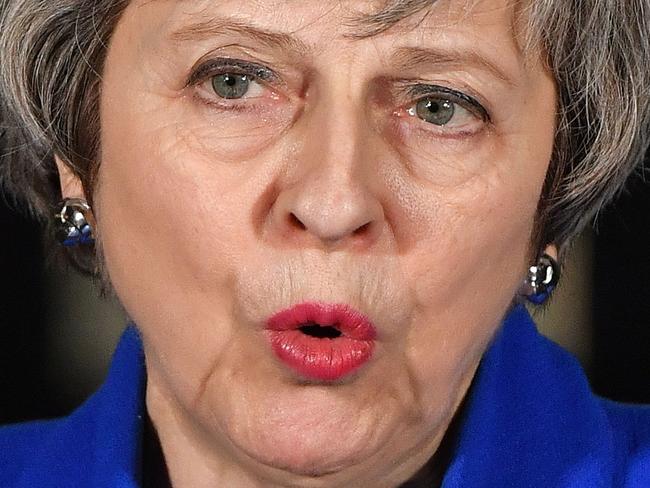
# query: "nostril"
[[363, 229], [295, 222]]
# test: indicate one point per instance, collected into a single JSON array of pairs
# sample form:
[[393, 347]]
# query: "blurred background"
[[57, 336]]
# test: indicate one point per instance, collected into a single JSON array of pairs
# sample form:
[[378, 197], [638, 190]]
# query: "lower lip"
[[321, 359]]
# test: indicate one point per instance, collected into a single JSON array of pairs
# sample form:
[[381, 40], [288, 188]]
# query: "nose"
[[329, 198], [328, 212]]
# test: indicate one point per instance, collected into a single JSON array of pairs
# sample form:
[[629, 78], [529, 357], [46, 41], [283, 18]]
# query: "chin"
[[307, 462], [309, 431], [313, 459]]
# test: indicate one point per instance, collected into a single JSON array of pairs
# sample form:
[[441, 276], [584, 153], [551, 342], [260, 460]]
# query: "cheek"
[[173, 238], [231, 137], [476, 250], [181, 177], [447, 162], [173, 222], [154, 198], [226, 140], [469, 259]]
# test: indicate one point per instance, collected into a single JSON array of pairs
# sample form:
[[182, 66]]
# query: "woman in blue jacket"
[[322, 219]]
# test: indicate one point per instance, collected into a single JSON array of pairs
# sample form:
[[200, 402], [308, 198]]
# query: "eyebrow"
[[404, 58], [412, 58], [218, 26]]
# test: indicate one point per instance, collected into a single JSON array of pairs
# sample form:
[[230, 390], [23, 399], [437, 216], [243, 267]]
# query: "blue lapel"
[[97, 446], [117, 415], [531, 419]]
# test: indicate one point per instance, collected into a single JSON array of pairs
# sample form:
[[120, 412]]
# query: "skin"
[[320, 187]]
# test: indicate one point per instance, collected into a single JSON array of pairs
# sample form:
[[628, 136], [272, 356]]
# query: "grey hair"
[[51, 58], [599, 52], [52, 54]]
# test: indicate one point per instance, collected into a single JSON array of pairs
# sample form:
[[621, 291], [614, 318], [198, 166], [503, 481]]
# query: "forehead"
[[352, 19]]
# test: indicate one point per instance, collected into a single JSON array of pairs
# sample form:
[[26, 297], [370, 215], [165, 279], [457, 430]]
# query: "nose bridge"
[[338, 130], [330, 198]]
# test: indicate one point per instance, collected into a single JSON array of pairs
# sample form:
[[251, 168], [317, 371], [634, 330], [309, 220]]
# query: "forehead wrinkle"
[[411, 58], [395, 12], [219, 26], [414, 58], [392, 13], [366, 24]]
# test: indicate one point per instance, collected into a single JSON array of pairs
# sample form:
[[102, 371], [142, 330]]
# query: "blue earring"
[[72, 223], [541, 280]]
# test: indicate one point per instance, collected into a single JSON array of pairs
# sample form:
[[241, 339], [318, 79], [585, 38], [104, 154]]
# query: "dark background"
[[621, 304], [619, 365]]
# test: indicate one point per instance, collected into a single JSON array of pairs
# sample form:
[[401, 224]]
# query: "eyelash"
[[220, 66], [415, 92]]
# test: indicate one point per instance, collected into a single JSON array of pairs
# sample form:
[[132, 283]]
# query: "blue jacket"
[[531, 420]]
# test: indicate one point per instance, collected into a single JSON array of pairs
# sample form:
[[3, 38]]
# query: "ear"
[[552, 251], [71, 186]]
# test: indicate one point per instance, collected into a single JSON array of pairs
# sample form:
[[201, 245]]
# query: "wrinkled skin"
[[322, 182]]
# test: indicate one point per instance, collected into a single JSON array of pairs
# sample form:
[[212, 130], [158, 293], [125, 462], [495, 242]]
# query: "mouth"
[[321, 341]]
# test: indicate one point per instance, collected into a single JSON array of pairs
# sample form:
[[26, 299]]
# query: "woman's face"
[[257, 155]]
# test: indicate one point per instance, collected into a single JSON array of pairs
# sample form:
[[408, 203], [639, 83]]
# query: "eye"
[[451, 111], [230, 79], [231, 85]]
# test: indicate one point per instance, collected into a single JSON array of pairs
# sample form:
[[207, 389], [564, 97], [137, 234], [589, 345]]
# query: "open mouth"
[[320, 331], [321, 341]]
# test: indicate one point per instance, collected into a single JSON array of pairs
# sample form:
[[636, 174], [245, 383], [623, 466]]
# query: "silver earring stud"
[[541, 280], [72, 223]]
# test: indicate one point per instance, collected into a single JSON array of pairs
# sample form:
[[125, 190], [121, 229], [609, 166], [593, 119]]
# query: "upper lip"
[[351, 322]]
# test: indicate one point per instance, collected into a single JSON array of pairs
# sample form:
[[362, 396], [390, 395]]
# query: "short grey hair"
[[52, 54]]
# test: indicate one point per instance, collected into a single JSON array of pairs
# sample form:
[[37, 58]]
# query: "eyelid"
[[216, 66], [424, 90]]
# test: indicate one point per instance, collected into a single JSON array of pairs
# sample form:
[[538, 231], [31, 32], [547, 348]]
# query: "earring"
[[541, 280], [72, 223]]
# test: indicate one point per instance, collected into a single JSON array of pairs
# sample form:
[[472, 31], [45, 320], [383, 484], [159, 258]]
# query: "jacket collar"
[[530, 418], [112, 419]]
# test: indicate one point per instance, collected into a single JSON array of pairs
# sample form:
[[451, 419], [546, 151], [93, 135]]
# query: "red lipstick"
[[321, 341]]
